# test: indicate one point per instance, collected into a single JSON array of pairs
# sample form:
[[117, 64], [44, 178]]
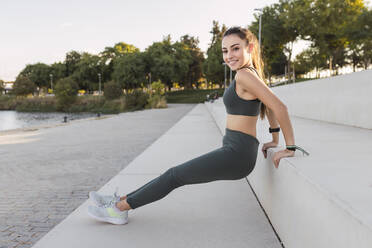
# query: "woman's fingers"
[[264, 151]]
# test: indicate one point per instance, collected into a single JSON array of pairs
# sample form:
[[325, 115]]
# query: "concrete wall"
[[344, 99]]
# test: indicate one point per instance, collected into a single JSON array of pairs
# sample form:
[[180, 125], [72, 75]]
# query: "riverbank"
[[90, 104], [14, 122]]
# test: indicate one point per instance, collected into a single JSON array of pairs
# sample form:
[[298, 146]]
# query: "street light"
[[225, 73], [51, 81], [230, 76], [149, 80], [259, 29], [99, 79]]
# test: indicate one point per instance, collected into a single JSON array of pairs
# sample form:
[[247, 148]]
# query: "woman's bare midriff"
[[242, 123]]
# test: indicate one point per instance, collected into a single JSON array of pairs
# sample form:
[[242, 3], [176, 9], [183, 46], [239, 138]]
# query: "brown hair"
[[257, 61]]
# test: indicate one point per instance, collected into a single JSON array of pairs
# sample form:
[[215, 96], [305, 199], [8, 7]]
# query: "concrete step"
[[216, 214], [321, 200]]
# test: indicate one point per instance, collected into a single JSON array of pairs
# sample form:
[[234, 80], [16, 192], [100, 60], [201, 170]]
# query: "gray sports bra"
[[238, 106]]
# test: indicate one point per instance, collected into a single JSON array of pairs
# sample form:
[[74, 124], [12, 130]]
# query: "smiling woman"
[[241, 52], [236, 158]]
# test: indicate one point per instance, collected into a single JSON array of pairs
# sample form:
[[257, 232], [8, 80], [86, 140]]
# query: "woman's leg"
[[219, 164]]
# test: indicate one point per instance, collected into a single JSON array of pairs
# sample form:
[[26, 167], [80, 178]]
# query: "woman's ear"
[[250, 47]]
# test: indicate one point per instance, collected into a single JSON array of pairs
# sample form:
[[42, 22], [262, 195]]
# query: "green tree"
[[359, 34], [290, 27], [86, 72], [272, 40], [58, 70], [111, 53], [37, 73], [182, 59], [309, 59], [66, 93], [212, 66], [129, 70], [23, 86], [71, 61], [161, 60], [326, 26], [195, 66], [119, 49]]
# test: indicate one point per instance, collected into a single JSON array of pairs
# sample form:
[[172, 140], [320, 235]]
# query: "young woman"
[[245, 99]]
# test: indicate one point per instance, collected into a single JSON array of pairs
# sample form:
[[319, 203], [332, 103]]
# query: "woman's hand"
[[281, 154], [268, 145]]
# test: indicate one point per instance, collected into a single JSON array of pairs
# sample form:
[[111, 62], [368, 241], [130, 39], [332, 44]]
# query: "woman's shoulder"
[[245, 74]]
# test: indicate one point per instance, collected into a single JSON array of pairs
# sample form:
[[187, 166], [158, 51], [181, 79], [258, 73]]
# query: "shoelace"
[[113, 200]]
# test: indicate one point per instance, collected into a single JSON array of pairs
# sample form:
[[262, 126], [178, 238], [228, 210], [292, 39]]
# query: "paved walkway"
[[217, 214], [45, 174]]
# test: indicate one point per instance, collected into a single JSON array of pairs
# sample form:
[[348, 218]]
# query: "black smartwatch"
[[272, 130]]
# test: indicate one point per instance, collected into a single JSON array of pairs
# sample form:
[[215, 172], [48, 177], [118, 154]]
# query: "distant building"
[[8, 87]]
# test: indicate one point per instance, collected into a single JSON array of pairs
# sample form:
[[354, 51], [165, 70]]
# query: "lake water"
[[12, 119]]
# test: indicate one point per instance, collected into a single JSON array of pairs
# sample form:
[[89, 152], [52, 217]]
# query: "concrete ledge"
[[343, 99], [216, 214], [321, 200]]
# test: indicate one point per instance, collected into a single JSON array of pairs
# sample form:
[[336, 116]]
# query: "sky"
[[45, 30]]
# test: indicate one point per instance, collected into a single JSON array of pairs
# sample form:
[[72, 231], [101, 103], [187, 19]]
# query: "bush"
[[112, 90], [66, 93], [156, 101], [113, 106], [8, 102], [36, 104], [158, 87], [92, 104], [23, 86], [136, 100]]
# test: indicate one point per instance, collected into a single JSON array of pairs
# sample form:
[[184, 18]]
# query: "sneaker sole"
[[115, 221]]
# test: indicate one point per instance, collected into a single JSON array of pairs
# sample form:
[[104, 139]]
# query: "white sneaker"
[[110, 214], [103, 200]]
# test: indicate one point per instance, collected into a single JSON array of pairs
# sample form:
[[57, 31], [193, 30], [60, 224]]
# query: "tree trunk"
[[330, 64]]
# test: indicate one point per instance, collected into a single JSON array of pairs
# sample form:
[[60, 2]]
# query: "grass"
[[190, 96]]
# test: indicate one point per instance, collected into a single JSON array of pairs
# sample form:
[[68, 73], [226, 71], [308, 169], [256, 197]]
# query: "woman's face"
[[235, 51]]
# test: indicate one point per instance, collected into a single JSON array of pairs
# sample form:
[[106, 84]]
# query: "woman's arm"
[[273, 124], [252, 83]]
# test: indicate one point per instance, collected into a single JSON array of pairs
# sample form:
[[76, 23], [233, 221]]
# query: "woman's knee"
[[171, 176]]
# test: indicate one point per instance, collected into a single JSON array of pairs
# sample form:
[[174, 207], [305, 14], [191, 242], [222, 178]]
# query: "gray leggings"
[[234, 160]]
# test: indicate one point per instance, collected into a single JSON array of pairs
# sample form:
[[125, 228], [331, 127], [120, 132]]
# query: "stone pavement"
[[223, 213], [46, 174]]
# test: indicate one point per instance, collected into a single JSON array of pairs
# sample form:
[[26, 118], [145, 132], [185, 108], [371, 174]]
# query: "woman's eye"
[[236, 49], [224, 51]]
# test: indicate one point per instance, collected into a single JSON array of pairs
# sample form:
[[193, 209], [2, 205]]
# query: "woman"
[[245, 98]]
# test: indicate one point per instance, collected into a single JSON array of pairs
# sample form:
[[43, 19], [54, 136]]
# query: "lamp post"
[[259, 29], [230, 76], [149, 80], [225, 73], [99, 83], [51, 81]]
